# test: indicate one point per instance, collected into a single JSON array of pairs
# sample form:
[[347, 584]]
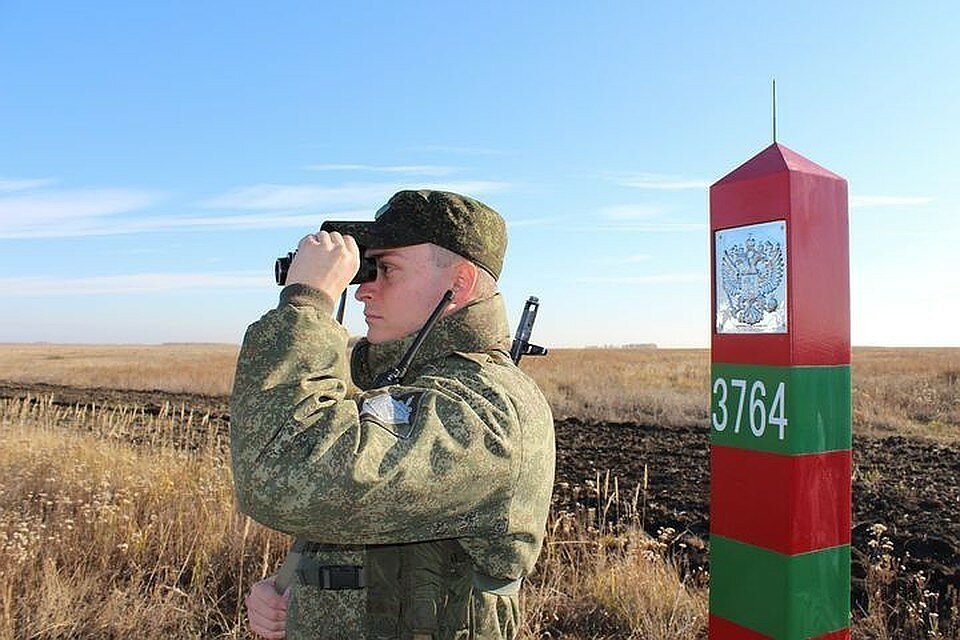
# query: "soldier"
[[444, 479]]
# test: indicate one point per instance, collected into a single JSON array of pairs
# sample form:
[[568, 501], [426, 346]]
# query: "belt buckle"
[[336, 577]]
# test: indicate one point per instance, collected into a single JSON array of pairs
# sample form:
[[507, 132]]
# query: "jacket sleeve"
[[436, 458]]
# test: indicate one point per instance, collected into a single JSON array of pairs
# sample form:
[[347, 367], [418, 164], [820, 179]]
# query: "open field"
[[180, 368], [895, 391], [139, 479]]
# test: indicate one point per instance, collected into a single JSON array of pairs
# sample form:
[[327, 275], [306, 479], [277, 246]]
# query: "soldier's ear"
[[464, 282]]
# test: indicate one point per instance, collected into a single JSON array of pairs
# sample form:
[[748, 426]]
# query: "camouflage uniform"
[[445, 480]]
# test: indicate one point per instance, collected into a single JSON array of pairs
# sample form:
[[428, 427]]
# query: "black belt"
[[337, 576]]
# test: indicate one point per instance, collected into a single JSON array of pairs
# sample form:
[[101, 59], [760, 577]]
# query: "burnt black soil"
[[909, 485]]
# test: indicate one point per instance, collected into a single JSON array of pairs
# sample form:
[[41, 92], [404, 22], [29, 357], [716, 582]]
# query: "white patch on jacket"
[[394, 413]]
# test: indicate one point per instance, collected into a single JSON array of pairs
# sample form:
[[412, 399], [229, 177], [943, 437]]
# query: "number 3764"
[[759, 414]]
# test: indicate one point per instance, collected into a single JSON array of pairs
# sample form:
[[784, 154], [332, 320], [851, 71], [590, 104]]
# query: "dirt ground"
[[909, 485]]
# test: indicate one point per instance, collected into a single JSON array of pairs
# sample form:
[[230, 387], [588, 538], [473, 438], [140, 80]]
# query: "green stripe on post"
[[785, 597], [781, 409]]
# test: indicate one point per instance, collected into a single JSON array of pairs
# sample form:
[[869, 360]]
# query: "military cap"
[[461, 224]]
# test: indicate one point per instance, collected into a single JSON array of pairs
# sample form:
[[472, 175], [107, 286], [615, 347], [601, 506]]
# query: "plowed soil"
[[911, 486]]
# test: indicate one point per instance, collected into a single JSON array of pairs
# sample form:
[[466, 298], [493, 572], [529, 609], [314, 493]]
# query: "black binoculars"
[[366, 273]]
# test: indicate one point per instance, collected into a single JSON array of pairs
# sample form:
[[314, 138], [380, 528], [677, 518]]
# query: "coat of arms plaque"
[[751, 278]]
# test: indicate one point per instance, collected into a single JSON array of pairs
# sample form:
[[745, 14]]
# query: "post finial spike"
[[774, 110]]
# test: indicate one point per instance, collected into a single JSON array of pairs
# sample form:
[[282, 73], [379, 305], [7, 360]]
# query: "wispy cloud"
[[65, 213], [14, 184], [367, 195], [649, 227], [280, 196], [657, 181], [126, 226], [132, 283], [99, 212], [862, 202], [631, 211], [68, 205], [661, 278], [413, 169]]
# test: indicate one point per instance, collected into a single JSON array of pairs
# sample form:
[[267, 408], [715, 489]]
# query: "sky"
[[156, 158]]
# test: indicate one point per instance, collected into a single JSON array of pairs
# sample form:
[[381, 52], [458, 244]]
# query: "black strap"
[[334, 577], [395, 376]]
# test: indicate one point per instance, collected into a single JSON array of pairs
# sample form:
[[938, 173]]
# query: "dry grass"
[[603, 578], [192, 368], [100, 538], [905, 391], [913, 392], [112, 526], [891, 615], [601, 587], [602, 582], [650, 386]]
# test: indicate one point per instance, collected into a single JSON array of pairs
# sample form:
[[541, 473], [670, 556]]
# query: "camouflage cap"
[[461, 224]]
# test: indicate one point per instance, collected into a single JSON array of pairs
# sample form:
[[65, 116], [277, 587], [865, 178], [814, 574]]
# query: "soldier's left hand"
[[267, 610], [326, 261]]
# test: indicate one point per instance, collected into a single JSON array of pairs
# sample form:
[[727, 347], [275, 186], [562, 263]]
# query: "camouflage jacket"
[[445, 480]]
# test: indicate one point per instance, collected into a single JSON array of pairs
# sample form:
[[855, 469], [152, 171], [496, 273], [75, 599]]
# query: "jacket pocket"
[[324, 613]]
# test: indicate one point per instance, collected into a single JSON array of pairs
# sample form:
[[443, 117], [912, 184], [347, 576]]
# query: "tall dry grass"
[[598, 582], [113, 526], [900, 606], [103, 538], [907, 392]]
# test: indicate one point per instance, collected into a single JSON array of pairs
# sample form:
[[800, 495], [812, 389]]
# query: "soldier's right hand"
[[326, 261], [267, 610]]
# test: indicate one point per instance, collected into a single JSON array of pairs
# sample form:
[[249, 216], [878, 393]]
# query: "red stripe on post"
[[722, 629], [762, 348], [786, 503]]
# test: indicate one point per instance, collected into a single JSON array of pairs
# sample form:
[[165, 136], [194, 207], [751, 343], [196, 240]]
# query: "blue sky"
[[155, 158]]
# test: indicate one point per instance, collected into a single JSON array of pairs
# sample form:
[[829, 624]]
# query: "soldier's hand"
[[325, 261], [267, 610]]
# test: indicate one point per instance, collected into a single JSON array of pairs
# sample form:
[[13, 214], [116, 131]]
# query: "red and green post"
[[780, 410]]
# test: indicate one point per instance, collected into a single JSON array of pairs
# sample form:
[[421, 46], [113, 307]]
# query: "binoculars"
[[366, 273]]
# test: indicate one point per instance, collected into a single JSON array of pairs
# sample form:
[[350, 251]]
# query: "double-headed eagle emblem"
[[750, 274]]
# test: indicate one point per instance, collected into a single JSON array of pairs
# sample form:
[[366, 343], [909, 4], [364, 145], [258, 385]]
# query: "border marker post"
[[780, 446]]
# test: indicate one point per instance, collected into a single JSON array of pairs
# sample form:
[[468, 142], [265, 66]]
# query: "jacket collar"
[[480, 326]]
